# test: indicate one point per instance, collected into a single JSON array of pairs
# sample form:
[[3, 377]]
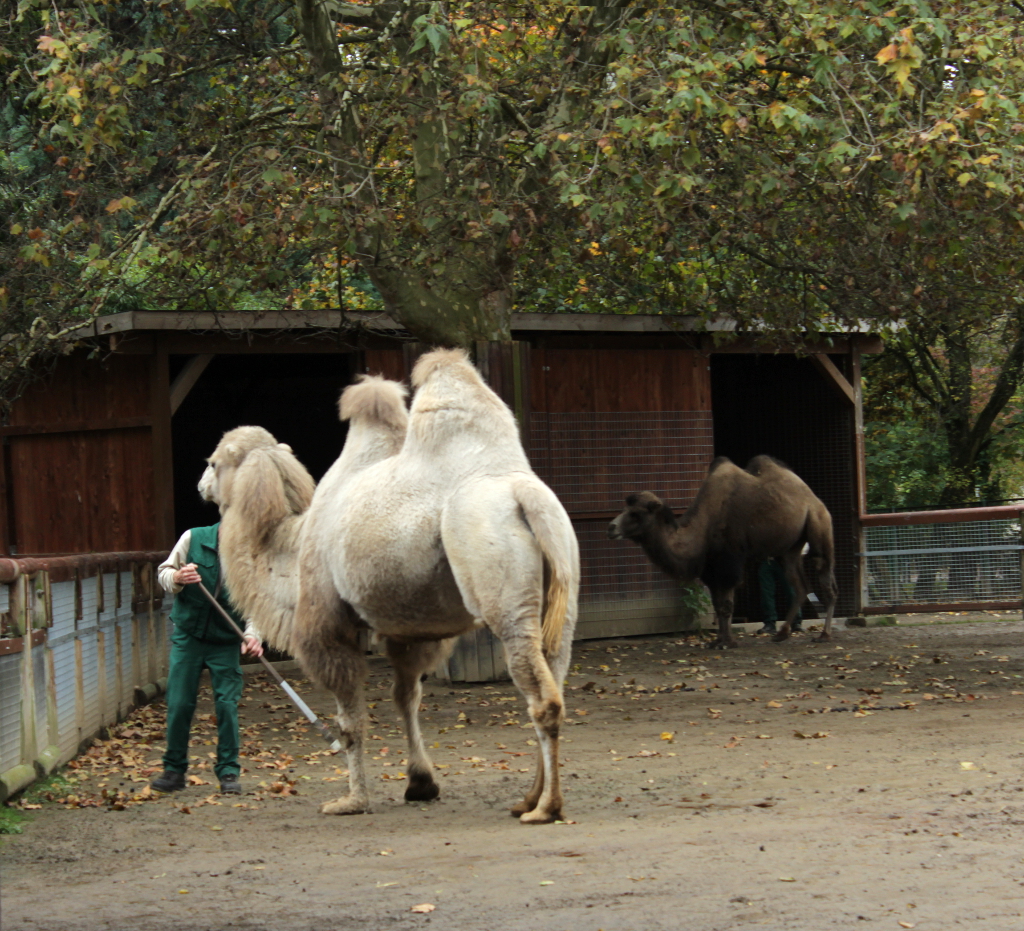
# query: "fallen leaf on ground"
[[967, 765], [423, 908]]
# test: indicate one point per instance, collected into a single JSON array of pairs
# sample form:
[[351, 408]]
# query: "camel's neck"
[[674, 551]]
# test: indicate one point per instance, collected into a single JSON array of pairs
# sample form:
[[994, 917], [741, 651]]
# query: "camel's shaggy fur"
[[764, 510], [428, 525], [262, 491], [451, 532]]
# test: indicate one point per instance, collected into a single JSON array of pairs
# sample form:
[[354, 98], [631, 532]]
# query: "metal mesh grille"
[[943, 563], [614, 571], [592, 460]]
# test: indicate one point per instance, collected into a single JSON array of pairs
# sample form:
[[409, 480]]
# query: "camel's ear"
[[667, 515], [284, 447], [653, 506], [631, 500]]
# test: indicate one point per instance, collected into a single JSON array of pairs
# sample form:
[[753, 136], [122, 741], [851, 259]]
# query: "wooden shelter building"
[[102, 454]]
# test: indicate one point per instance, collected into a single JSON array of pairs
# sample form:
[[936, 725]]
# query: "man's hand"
[[251, 647], [186, 575]]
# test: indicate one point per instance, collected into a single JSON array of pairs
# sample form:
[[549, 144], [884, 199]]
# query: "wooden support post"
[[163, 466], [119, 673], [187, 379], [836, 380], [101, 679], [860, 493], [22, 607]]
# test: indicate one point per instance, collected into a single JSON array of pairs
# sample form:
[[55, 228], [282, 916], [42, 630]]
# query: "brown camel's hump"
[[759, 465]]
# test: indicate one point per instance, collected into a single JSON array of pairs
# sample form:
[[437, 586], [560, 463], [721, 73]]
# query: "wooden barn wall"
[[781, 405], [600, 422], [606, 422], [78, 460]]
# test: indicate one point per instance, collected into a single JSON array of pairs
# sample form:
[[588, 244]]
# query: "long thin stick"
[[325, 731]]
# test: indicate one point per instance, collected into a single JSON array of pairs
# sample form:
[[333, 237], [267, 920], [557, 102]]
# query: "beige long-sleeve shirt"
[[177, 558]]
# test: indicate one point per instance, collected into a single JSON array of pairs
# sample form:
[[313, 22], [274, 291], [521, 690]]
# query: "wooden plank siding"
[[87, 483], [605, 422]]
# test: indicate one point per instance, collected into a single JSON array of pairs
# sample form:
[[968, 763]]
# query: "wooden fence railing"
[[83, 640]]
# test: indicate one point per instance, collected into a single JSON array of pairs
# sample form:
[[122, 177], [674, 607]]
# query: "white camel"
[[262, 491], [451, 531]]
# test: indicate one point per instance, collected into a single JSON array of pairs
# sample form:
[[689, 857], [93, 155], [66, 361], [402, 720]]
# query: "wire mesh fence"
[[962, 562], [592, 460]]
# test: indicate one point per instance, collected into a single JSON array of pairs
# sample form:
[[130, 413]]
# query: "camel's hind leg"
[[827, 593], [533, 676], [326, 645], [792, 563], [410, 661]]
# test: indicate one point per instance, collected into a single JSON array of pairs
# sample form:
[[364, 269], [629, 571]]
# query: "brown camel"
[[738, 514]]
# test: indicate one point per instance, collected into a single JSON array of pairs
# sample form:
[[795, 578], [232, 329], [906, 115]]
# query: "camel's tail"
[[553, 531]]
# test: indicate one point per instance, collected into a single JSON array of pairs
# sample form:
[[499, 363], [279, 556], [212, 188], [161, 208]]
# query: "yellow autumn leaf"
[[887, 54]]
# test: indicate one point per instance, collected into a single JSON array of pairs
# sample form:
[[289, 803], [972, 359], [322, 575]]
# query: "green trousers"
[[770, 575], [189, 657]]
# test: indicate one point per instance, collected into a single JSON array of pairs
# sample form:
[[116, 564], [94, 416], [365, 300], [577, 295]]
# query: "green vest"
[[192, 611]]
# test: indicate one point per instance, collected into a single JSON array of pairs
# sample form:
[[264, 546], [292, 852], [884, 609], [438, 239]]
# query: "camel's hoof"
[[822, 638], [521, 808], [780, 636], [539, 817], [421, 788], [345, 806], [723, 645]]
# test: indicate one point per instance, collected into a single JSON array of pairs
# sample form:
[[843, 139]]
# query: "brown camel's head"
[[644, 512]]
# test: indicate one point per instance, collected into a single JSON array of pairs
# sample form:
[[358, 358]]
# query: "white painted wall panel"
[[10, 710]]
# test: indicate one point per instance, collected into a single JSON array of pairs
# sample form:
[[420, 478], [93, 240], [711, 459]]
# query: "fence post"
[[1020, 523]]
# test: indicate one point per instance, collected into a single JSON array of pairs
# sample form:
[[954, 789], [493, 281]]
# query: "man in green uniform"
[[202, 639]]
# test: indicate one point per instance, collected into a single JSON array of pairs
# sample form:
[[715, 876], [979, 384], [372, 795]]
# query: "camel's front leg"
[[325, 642], [722, 599], [410, 661], [351, 722]]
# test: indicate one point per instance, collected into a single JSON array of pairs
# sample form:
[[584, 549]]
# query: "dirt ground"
[[874, 782]]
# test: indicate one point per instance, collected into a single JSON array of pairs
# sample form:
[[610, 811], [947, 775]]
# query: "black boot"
[[229, 785], [168, 781]]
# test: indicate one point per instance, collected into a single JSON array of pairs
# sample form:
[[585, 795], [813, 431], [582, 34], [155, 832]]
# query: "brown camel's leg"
[[723, 600], [410, 661], [826, 591], [325, 641], [793, 567]]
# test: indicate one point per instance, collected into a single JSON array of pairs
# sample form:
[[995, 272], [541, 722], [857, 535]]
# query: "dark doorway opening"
[[294, 396], [780, 405]]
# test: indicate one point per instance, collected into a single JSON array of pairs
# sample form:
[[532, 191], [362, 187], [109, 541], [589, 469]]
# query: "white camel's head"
[[251, 466]]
